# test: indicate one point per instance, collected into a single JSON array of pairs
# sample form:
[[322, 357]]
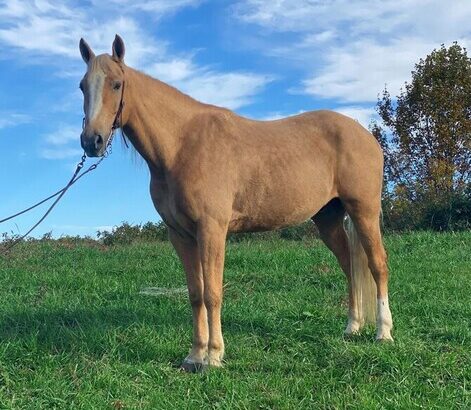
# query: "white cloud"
[[231, 90], [321, 37], [60, 153], [9, 119], [61, 144], [48, 31], [63, 136], [173, 70], [365, 17], [359, 71], [15, 8], [272, 116], [363, 115], [350, 52], [308, 15], [157, 7], [37, 27]]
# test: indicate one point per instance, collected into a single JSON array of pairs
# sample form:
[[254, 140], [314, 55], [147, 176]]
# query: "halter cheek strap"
[[117, 123], [117, 120]]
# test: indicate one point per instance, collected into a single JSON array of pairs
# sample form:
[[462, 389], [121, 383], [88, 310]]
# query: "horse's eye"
[[116, 85]]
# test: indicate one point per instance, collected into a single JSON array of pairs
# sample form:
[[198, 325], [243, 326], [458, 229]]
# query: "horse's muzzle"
[[93, 145]]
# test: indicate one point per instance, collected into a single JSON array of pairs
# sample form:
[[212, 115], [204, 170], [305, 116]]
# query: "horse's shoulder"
[[207, 121]]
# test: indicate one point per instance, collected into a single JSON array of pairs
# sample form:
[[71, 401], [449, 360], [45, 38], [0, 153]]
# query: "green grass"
[[76, 334]]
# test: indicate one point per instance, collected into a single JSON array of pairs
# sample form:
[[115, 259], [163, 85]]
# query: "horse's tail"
[[362, 282]]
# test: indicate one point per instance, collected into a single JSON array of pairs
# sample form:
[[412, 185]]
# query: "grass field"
[[76, 333]]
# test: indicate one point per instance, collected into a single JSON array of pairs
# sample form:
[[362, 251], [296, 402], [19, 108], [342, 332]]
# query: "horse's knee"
[[196, 297], [212, 299]]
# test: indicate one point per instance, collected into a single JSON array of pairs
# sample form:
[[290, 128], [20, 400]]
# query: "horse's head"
[[103, 90]]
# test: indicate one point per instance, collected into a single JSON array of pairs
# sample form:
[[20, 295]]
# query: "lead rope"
[[75, 177]]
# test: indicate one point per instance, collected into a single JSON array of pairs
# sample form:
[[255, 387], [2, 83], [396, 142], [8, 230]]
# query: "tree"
[[426, 137]]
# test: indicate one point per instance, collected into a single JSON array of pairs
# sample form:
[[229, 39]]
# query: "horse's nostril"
[[98, 141]]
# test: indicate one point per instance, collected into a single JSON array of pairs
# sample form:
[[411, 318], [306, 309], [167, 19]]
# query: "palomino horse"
[[213, 172]]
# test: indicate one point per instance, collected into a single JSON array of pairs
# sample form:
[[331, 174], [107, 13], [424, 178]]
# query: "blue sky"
[[263, 59]]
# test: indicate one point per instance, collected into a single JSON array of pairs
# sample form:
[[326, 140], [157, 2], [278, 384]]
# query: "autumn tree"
[[426, 136]]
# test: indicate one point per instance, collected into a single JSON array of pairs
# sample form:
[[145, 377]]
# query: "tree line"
[[425, 133]]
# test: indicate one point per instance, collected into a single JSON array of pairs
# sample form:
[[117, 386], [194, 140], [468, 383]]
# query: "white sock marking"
[[384, 320]]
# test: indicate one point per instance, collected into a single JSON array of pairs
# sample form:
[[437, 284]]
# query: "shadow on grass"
[[141, 335], [133, 335]]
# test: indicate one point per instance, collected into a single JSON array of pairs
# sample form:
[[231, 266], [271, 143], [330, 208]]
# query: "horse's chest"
[[166, 202], [160, 197]]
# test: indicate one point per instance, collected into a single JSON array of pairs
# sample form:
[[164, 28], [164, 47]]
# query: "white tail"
[[363, 284]]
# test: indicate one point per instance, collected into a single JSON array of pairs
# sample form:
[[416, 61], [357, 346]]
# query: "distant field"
[[76, 333]]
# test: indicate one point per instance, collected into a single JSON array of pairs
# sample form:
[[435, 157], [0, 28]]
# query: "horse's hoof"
[[351, 336], [353, 329], [351, 332], [384, 339], [189, 366], [216, 363]]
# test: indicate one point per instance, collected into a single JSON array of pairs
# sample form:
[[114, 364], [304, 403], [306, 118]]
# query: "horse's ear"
[[118, 48], [86, 51]]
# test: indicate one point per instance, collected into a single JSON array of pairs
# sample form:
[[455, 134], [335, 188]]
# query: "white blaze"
[[95, 94]]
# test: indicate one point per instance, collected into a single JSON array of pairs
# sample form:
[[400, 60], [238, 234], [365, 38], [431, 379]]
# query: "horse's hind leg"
[[366, 219], [329, 221]]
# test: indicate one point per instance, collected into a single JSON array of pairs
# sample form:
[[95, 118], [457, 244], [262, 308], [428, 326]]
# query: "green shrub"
[[451, 215], [126, 233], [448, 213]]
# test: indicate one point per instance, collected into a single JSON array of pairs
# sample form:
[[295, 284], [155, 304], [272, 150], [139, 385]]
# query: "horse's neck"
[[154, 115]]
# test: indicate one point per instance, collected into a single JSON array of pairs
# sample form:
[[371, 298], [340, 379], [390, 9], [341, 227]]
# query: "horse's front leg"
[[188, 252], [211, 243]]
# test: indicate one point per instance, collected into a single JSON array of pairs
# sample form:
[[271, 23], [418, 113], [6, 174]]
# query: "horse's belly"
[[275, 209], [246, 223]]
